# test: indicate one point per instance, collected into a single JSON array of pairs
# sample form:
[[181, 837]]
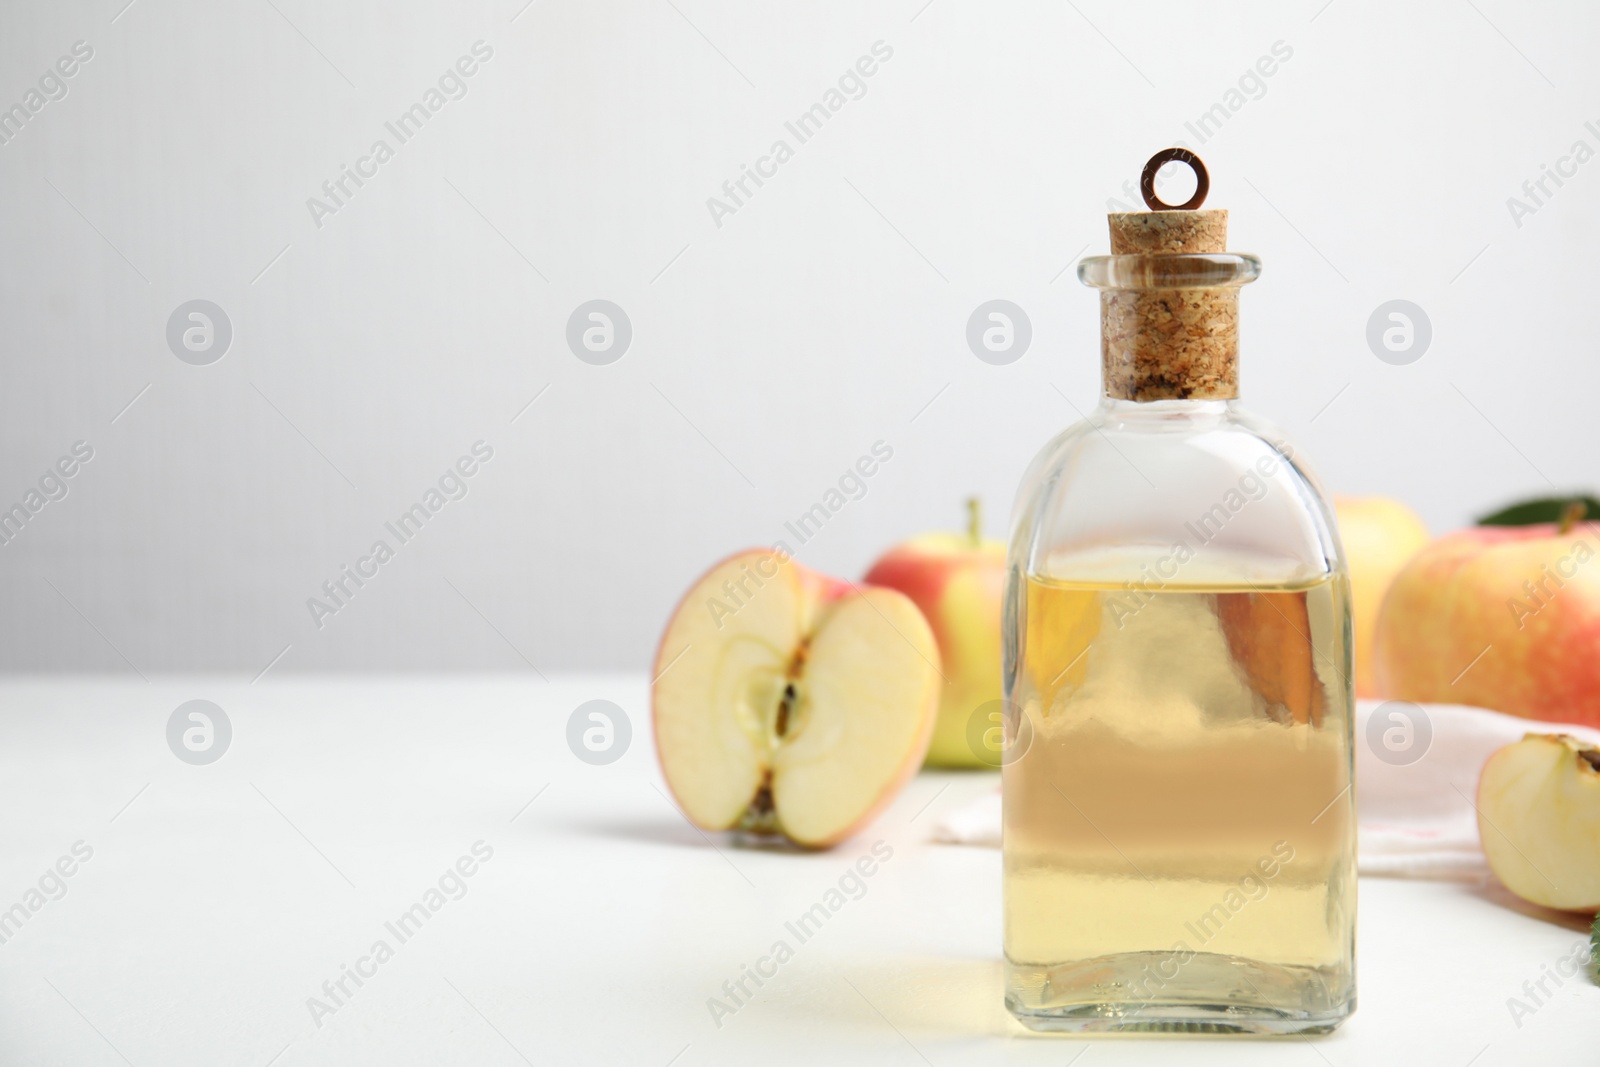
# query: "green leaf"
[[1545, 509], [1594, 950]]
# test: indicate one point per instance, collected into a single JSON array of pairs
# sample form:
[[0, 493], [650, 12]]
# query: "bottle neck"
[[1169, 305], [1170, 344], [1188, 413]]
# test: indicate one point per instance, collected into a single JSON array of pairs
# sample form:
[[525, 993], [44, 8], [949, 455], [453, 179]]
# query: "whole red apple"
[[1501, 617], [958, 580]]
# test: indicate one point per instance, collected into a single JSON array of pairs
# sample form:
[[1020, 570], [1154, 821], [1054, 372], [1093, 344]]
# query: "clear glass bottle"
[[1179, 827]]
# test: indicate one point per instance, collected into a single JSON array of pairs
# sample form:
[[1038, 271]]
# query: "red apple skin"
[[958, 582], [1530, 595]]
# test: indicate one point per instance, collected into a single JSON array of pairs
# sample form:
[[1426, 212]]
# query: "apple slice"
[[1539, 818], [787, 702]]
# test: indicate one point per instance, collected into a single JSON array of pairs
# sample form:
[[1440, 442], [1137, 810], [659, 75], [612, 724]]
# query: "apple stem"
[[1571, 515], [975, 521]]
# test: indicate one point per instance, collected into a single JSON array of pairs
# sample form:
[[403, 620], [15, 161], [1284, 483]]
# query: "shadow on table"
[[1492, 891], [949, 1000], [677, 832], [922, 997]]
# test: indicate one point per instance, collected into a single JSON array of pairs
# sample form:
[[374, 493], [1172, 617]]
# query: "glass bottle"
[[1179, 827]]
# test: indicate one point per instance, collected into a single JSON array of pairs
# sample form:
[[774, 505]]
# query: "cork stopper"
[[1168, 340], [1166, 233]]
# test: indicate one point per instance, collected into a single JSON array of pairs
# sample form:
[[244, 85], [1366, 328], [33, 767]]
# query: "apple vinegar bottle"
[[1179, 834]]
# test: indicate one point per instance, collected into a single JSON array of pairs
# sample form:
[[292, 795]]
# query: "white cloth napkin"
[[1415, 812]]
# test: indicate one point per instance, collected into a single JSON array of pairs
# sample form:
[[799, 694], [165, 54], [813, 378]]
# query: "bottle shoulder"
[[1208, 482]]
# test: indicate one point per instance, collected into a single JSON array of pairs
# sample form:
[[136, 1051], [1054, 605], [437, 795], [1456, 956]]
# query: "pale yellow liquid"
[[1179, 848]]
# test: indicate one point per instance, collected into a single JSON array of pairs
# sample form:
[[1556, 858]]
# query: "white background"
[[768, 353]]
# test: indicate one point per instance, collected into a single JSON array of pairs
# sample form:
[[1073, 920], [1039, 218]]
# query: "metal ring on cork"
[[1147, 180]]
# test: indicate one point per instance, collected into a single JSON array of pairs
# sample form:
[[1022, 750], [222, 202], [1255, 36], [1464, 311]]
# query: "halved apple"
[[1539, 818], [788, 702]]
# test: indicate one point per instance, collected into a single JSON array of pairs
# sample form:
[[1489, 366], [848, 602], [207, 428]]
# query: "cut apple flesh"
[[793, 704], [1539, 820]]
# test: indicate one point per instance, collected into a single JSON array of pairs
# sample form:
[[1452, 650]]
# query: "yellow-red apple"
[[1380, 536], [788, 702], [958, 580], [1539, 820], [1502, 617]]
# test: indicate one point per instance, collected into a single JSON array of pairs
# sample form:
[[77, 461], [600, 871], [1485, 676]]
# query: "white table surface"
[[219, 899]]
